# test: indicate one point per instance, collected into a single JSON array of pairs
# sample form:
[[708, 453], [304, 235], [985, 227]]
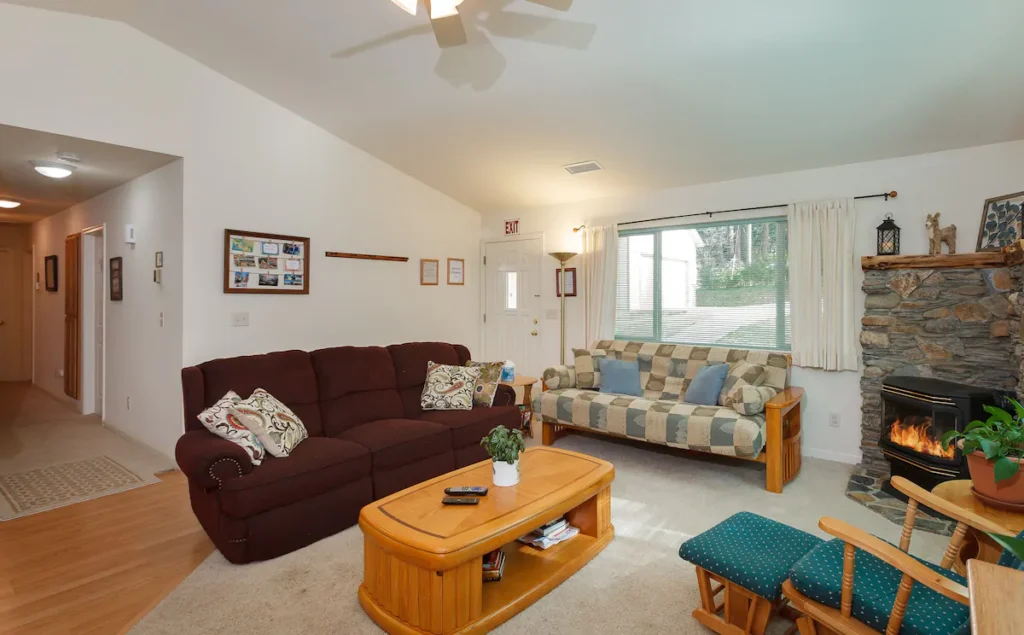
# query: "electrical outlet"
[[129, 402], [833, 419], [239, 319]]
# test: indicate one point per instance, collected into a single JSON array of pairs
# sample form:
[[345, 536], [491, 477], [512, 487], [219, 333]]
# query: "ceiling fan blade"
[[552, 31], [384, 40], [558, 5], [448, 30]]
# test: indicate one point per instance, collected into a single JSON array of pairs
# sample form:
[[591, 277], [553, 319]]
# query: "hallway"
[[51, 456]]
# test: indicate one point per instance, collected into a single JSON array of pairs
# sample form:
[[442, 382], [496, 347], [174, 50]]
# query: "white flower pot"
[[505, 474]]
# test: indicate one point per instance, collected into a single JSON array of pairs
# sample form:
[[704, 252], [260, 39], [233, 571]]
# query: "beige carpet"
[[51, 456], [637, 584]]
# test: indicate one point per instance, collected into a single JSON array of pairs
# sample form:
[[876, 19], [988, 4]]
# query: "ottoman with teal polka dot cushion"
[[819, 576], [749, 550]]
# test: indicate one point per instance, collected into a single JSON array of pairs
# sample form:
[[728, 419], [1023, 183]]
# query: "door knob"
[[534, 333]]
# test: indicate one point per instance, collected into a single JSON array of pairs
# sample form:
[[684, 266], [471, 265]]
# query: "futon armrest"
[[504, 396], [209, 460], [559, 377], [786, 399]]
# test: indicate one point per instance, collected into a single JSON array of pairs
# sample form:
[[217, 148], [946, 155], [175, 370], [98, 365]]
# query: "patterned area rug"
[[34, 491]]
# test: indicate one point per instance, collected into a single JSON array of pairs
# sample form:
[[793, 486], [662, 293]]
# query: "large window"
[[716, 284]]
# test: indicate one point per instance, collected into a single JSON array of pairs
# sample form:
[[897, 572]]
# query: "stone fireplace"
[[949, 318]]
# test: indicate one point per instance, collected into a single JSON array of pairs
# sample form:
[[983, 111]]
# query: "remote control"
[[466, 491], [452, 500]]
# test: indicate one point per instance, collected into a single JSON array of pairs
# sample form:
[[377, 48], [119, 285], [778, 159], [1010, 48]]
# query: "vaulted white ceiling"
[[661, 92]]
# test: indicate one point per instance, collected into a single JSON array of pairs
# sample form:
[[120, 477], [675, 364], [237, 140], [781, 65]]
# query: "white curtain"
[[600, 258], [822, 284]]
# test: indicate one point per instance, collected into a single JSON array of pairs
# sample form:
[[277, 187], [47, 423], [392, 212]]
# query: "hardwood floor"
[[97, 567]]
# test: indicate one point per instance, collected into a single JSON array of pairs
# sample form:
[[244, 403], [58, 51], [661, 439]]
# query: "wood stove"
[[916, 412]]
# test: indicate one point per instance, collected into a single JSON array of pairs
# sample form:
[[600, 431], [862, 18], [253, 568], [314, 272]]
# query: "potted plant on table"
[[504, 446], [994, 448]]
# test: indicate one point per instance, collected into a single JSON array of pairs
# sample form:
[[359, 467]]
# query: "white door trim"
[[483, 277], [88, 336]]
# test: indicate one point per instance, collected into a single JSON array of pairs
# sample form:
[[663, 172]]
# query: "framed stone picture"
[[116, 279], [1001, 222], [255, 262]]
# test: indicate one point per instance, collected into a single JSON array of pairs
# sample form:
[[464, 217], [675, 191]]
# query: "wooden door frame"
[[73, 315], [483, 278]]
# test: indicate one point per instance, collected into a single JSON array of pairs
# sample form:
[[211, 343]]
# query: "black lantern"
[[888, 237]]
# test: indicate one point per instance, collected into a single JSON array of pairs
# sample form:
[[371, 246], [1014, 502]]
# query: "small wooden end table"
[[977, 544], [526, 383]]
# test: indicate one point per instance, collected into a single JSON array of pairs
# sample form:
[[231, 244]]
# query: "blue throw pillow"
[[706, 386], [621, 377]]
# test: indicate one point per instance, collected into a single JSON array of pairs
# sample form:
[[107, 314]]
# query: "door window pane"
[[511, 290]]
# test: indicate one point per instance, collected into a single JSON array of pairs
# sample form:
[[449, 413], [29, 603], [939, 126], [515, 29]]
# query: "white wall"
[[143, 358], [251, 165], [955, 183]]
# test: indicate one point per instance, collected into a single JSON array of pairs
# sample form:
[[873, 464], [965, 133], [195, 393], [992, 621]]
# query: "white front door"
[[513, 303]]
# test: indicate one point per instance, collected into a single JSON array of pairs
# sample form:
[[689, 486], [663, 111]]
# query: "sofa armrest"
[[785, 400], [209, 460], [559, 377], [504, 396]]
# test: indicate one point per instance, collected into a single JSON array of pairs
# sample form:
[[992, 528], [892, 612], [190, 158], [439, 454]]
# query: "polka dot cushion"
[[819, 576], [751, 551]]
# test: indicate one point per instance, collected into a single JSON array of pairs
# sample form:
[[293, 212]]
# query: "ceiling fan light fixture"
[[409, 6], [444, 8], [6, 203]]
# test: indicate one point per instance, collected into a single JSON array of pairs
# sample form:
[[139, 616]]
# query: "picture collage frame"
[[257, 262]]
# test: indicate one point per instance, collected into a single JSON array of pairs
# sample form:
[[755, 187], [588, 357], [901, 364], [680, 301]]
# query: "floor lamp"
[[562, 257]]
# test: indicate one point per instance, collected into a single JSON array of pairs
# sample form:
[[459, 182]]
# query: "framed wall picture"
[[116, 279], [569, 284], [50, 272], [255, 262], [456, 271], [159, 259], [429, 272], [1002, 222]]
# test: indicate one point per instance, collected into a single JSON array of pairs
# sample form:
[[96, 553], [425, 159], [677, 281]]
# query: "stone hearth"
[[959, 322]]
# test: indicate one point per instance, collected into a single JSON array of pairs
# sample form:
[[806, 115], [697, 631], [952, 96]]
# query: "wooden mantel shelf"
[[1009, 255]]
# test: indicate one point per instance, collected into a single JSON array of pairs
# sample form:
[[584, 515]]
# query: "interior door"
[[513, 303], [99, 291], [12, 340], [72, 318]]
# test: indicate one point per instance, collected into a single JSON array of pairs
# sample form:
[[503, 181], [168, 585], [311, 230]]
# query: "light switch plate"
[[239, 319], [551, 314]]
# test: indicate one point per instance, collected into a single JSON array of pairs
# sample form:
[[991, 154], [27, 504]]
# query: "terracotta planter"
[[1008, 494]]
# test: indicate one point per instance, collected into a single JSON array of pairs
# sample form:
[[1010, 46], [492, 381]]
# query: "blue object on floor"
[[750, 550]]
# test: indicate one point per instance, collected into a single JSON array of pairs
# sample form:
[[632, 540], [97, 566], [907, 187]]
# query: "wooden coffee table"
[[422, 570]]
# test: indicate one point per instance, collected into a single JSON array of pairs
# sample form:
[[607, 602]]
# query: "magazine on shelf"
[[546, 542]]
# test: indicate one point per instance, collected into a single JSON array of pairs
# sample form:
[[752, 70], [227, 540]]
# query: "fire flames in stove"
[[915, 433]]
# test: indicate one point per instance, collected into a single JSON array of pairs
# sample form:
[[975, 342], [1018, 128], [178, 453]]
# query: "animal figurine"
[[938, 236]]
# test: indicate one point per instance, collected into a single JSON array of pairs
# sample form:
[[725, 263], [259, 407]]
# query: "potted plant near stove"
[[994, 449], [504, 446]]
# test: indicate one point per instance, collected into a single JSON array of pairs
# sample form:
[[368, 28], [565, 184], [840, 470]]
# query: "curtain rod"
[[885, 195]]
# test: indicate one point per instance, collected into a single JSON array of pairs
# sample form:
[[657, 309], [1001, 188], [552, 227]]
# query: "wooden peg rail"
[[341, 254]]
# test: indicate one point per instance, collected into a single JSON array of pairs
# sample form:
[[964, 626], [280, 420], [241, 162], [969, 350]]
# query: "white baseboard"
[[829, 455]]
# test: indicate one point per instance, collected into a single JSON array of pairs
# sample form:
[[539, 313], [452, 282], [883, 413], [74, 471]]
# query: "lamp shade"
[[563, 256], [407, 5]]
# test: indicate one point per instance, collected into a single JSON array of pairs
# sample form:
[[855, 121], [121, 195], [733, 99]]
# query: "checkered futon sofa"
[[660, 415]]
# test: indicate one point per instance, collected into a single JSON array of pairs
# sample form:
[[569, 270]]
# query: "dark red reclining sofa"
[[368, 438]]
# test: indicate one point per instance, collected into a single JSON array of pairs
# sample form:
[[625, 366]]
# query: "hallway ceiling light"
[[53, 170], [6, 203]]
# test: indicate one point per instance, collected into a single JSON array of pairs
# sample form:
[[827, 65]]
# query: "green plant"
[[504, 444], [1011, 544], [1000, 438]]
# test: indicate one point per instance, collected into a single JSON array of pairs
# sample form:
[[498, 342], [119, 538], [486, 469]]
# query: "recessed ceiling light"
[[7, 203], [53, 169]]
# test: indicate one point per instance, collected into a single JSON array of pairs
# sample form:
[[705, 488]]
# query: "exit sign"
[[511, 227]]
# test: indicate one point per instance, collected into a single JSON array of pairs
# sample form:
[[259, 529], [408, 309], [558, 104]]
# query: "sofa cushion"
[[410, 363], [288, 375], [740, 374], [487, 384], [469, 426], [223, 421], [273, 423], [753, 551], [395, 442], [449, 387], [681, 425], [588, 367], [819, 576], [317, 465], [751, 400], [620, 377], [357, 385], [707, 385]]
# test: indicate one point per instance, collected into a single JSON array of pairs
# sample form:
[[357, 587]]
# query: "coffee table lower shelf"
[[529, 575]]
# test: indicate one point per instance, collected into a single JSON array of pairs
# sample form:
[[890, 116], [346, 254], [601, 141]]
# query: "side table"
[[526, 383], [977, 544]]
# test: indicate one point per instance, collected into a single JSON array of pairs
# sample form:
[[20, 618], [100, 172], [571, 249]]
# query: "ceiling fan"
[[444, 20]]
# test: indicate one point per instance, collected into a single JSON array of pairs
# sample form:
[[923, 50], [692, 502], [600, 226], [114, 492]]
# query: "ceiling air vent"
[[580, 168]]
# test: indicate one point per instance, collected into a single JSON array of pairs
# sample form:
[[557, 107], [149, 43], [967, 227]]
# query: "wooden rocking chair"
[[822, 619]]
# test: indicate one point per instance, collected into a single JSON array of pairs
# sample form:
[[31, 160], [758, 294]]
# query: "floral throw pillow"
[[221, 420], [449, 387], [487, 386], [273, 423]]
